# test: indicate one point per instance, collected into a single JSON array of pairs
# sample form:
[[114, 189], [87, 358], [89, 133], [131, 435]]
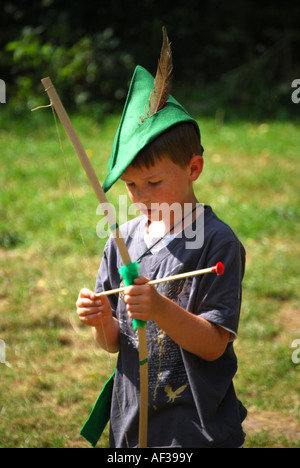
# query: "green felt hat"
[[133, 134]]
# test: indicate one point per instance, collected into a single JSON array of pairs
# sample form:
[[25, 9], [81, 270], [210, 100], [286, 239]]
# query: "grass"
[[53, 370]]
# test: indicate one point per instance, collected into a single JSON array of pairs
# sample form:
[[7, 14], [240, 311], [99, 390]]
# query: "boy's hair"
[[179, 143]]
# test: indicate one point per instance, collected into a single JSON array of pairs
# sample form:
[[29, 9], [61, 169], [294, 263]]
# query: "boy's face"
[[163, 183]]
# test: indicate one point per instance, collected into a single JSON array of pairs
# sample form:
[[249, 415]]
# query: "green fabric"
[[100, 414], [129, 273], [133, 135]]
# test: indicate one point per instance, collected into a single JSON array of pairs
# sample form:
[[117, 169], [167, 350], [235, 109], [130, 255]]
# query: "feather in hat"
[[163, 79]]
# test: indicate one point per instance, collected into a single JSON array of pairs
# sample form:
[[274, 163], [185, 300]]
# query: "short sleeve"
[[219, 297]]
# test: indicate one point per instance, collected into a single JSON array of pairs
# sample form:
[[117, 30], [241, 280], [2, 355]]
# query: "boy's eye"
[[155, 183]]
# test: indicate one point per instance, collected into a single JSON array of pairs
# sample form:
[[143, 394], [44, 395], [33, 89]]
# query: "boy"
[[191, 324]]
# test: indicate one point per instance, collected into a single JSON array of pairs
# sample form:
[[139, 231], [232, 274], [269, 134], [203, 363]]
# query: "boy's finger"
[[87, 302], [85, 292], [88, 312], [141, 280], [137, 290]]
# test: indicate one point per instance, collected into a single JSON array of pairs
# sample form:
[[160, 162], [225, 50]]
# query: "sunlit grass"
[[54, 370]]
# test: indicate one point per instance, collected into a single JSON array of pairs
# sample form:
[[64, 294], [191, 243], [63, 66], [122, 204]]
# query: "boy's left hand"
[[142, 299]]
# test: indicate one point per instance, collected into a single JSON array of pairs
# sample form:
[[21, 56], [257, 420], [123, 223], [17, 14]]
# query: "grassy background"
[[54, 371]]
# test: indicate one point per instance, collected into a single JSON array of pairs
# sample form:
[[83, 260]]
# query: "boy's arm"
[[108, 337], [191, 332]]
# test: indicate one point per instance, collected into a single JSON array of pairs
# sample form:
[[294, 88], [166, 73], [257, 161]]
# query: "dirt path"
[[272, 422]]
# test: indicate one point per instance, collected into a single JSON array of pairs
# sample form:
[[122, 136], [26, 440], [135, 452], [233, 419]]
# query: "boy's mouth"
[[152, 214], [148, 212], [144, 209]]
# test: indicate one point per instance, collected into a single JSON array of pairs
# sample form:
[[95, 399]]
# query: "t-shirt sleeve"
[[219, 297]]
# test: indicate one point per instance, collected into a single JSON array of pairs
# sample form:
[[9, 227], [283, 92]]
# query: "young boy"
[[191, 323]]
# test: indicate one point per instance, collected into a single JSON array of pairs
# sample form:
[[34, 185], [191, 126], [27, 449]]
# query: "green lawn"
[[53, 370]]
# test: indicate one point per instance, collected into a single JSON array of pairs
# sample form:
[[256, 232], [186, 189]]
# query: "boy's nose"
[[142, 196]]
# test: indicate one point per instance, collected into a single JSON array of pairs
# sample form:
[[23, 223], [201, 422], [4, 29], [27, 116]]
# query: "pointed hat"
[[133, 133]]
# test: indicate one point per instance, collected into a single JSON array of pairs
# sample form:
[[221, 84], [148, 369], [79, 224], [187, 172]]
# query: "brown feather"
[[163, 78]]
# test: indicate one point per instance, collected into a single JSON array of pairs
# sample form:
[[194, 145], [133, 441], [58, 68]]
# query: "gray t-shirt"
[[192, 402]]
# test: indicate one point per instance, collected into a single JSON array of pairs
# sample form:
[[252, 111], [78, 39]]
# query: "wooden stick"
[[144, 387], [85, 162], [64, 118], [219, 269]]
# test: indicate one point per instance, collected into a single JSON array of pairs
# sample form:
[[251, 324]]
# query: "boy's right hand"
[[93, 311]]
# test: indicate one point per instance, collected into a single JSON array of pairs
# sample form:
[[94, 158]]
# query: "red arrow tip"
[[219, 269]]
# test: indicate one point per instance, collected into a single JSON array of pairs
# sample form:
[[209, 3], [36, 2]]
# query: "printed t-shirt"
[[192, 402]]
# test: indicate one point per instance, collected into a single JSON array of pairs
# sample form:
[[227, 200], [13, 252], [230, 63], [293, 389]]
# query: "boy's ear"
[[195, 166]]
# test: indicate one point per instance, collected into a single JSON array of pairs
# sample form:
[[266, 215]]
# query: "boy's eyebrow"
[[151, 176]]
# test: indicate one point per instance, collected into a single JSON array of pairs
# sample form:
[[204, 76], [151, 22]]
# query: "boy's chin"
[[153, 217]]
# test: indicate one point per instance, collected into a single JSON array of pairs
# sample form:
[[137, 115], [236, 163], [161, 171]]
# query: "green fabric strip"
[[143, 362], [100, 414], [129, 273], [114, 227]]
